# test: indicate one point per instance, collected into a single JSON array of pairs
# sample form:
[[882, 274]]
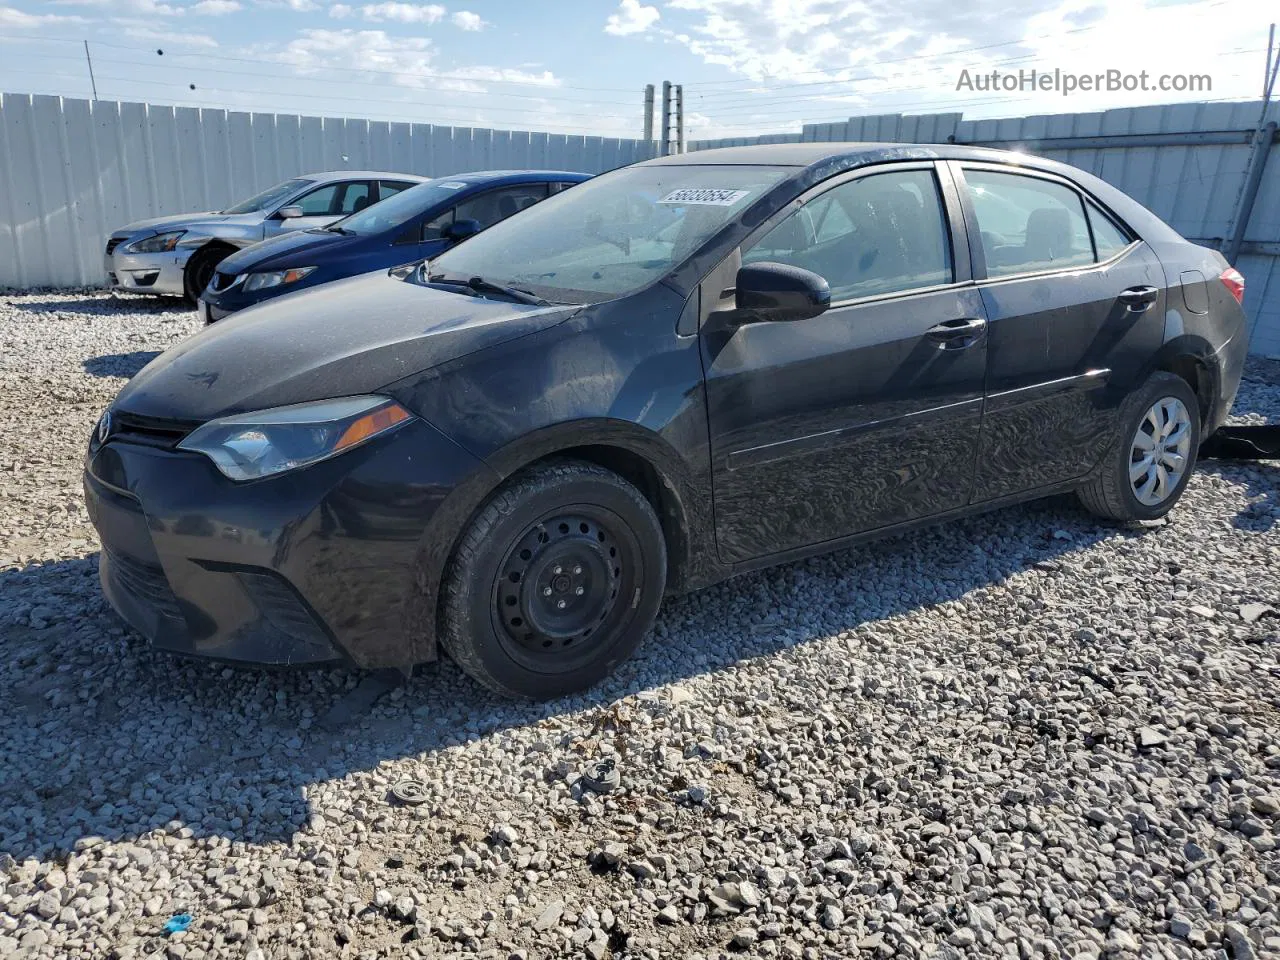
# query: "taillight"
[[1234, 282]]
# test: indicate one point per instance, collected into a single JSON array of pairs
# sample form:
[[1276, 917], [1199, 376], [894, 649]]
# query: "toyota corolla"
[[672, 373]]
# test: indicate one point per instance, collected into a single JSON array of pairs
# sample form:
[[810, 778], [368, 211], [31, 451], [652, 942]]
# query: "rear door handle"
[[1138, 299], [957, 334]]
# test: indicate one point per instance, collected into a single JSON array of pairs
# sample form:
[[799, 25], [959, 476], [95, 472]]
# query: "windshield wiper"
[[481, 285], [334, 228]]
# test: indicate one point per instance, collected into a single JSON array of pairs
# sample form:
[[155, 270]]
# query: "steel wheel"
[[555, 599], [1160, 451], [555, 580]]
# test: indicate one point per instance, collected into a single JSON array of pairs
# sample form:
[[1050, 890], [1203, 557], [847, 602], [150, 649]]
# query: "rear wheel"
[[555, 582], [200, 269], [1152, 455]]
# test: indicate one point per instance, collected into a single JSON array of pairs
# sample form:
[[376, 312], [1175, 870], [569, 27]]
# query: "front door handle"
[[957, 334], [1139, 299]]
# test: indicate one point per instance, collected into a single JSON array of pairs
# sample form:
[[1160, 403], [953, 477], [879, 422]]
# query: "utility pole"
[[666, 119], [679, 118], [89, 60], [648, 112]]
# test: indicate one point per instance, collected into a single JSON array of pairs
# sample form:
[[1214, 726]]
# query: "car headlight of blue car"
[[275, 278]]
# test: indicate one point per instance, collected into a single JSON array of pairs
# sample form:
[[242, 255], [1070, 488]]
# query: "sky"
[[579, 66]]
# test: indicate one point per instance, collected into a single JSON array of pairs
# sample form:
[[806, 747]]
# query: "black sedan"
[[672, 373]]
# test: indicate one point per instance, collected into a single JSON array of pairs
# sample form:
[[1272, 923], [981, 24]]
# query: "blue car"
[[416, 224]]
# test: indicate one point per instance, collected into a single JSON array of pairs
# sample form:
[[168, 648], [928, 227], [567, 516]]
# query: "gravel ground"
[[1022, 735]]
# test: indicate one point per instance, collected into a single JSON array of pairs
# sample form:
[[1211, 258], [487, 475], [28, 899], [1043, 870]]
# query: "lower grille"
[[282, 608], [144, 581]]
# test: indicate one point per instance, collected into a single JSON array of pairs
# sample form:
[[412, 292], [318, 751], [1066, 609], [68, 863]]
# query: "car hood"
[[295, 249], [189, 221], [345, 338]]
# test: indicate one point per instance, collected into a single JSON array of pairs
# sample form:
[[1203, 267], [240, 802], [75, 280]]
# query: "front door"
[[867, 415], [1075, 306]]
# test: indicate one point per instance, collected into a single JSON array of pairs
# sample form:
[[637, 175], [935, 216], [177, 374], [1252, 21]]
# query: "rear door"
[[1075, 306], [867, 415]]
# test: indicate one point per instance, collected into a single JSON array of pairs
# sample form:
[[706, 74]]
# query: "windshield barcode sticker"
[[707, 195]]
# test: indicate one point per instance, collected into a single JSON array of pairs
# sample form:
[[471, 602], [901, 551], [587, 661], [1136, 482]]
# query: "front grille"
[[113, 243], [221, 281], [144, 581], [281, 607], [150, 431]]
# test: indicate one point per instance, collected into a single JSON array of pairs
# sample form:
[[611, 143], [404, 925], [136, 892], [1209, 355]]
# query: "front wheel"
[[199, 271], [1152, 454], [554, 582]]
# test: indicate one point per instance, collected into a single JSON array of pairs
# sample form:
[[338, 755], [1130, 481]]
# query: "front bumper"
[[147, 272], [316, 565]]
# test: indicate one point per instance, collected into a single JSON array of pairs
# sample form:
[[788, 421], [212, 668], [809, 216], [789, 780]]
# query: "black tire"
[[200, 269], [563, 533], [1109, 493]]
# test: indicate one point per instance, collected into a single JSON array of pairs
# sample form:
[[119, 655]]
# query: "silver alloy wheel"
[[1160, 451]]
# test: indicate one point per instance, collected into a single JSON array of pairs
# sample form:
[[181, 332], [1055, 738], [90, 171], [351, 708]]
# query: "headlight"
[[405, 270], [250, 446], [160, 243], [275, 278]]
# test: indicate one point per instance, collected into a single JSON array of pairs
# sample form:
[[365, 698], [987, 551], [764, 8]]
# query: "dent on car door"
[[1075, 304], [867, 415]]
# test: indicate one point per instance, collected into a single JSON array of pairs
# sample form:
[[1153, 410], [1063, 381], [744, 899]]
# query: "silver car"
[[177, 255]]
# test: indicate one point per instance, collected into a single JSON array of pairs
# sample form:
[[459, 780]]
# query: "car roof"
[[844, 155], [359, 175], [484, 176]]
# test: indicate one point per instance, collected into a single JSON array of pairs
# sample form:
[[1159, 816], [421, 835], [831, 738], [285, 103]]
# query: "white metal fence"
[[1190, 163], [71, 171]]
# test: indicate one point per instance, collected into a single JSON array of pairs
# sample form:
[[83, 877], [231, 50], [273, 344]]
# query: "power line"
[[345, 83], [202, 55]]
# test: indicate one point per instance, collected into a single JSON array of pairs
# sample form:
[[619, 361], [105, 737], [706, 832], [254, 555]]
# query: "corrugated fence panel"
[[72, 171]]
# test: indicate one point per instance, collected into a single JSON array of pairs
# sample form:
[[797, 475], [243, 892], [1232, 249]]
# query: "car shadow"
[[1261, 478], [124, 365], [101, 306], [130, 740]]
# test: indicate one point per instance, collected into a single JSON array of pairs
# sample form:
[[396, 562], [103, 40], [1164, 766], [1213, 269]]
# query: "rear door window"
[[389, 188], [1108, 238], [355, 197], [1028, 224]]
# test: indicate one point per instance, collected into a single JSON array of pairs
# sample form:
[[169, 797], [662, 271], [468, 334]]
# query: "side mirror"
[[290, 213], [778, 291], [459, 230]]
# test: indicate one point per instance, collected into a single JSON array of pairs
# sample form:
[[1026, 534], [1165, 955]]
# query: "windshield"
[[612, 235], [404, 206], [272, 195]]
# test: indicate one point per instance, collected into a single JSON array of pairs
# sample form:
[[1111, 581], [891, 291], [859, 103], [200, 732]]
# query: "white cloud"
[[297, 6], [18, 19], [140, 7], [466, 20], [403, 12], [141, 30], [632, 17], [216, 8], [340, 11], [399, 61]]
